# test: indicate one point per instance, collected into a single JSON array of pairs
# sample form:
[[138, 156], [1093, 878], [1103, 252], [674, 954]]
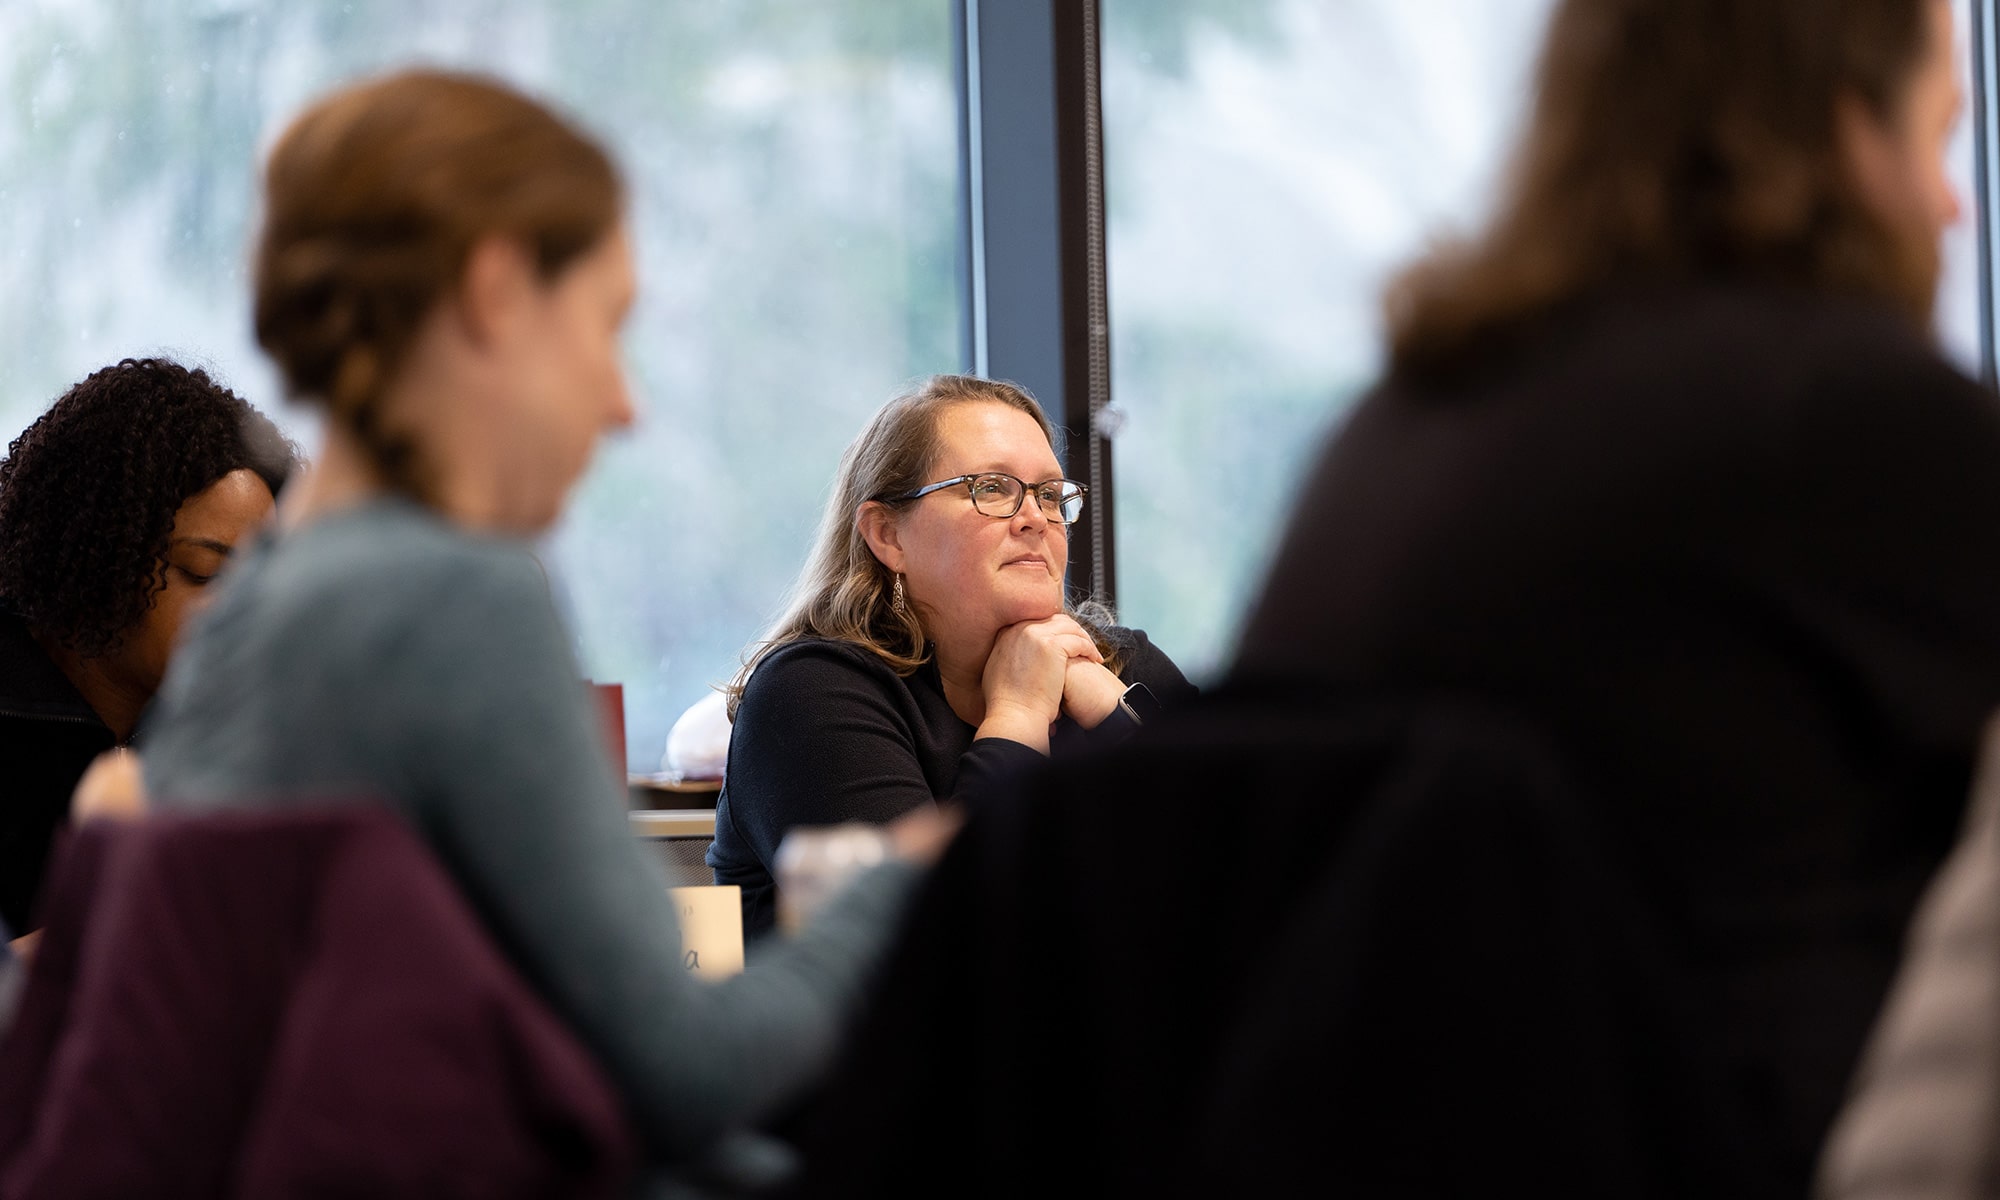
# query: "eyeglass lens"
[[1000, 496]]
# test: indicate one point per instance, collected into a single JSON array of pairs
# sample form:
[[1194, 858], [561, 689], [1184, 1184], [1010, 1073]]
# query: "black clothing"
[[827, 733], [1738, 551], [48, 737], [1399, 963]]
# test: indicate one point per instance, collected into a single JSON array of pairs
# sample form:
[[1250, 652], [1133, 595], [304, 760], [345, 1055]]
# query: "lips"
[[1028, 560]]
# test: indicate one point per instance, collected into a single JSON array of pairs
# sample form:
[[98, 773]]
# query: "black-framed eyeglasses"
[[999, 495]]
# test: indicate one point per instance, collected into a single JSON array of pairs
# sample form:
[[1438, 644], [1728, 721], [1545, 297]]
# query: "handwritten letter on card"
[[711, 929]]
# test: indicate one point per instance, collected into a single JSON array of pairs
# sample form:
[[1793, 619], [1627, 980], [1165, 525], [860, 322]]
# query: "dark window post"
[[1980, 36], [1033, 250]]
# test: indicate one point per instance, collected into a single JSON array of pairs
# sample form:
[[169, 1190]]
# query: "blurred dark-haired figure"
[[1666, 462], [118, 507]]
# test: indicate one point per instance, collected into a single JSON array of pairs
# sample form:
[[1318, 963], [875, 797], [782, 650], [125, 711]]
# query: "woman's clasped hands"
[[1040, 670]]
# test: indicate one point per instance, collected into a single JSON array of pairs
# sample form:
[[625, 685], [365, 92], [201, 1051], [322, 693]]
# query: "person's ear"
[[499, 278], [1868, 154], [876, 522]]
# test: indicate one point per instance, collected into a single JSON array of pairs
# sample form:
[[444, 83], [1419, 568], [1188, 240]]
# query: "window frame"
[[1031, 253], [1032, 219]]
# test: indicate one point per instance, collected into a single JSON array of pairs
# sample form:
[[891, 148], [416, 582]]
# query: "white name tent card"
[[711, 929]]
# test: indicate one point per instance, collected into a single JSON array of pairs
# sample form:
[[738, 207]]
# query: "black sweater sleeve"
[[1148, 664], [826, 734]]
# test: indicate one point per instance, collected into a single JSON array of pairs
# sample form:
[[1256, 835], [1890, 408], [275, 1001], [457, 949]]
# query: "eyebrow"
[[1001, 470], [223, 548]]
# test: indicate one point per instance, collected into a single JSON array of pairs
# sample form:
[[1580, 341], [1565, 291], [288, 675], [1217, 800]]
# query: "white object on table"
[[698, 744]]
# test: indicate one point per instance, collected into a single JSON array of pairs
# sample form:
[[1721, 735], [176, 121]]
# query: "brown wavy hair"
[[844, 591], [373, 201], [1681, 139]]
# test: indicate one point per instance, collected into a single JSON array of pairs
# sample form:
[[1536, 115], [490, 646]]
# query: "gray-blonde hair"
[[844, 591]]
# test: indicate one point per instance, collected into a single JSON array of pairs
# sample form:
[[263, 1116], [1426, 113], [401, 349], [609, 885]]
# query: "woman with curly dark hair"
[[118, 506]]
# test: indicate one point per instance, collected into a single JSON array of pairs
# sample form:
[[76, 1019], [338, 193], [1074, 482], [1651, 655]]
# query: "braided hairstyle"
[[374, 200], [88, 493]]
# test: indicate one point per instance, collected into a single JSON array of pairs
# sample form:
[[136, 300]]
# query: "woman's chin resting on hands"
[[929, 652]]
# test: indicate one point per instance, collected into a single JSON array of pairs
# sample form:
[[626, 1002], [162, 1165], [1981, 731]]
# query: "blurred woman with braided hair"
[[118, 507], [444, 272]]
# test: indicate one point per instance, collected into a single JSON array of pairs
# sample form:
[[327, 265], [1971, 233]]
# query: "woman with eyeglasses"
[[927, 649]]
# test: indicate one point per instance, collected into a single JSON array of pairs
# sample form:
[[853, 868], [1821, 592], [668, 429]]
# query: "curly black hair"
[[88, 493]]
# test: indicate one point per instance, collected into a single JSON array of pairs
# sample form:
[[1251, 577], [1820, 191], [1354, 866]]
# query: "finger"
[[1063, 622], [1021, 630], [1096, 655], [1077, 646]]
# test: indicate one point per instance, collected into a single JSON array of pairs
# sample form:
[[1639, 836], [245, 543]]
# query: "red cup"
[[610, 699]]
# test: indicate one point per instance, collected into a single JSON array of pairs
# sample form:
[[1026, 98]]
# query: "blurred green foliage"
[[793, 175]]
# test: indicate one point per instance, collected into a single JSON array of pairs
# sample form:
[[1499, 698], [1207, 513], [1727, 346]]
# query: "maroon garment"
[[293, 1003]]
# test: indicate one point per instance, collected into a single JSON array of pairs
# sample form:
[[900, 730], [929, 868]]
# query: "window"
[[793, 166], [1267, 166], [793, 169]]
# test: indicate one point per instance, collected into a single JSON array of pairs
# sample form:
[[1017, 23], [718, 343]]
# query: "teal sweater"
[[383, 654]]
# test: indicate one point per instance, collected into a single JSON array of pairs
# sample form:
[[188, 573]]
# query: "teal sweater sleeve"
[[448, 689]]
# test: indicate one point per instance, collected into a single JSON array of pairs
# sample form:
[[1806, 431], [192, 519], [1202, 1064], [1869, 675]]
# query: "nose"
[[1031, 518]]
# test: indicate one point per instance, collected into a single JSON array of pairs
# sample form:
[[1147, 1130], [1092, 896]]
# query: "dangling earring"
[[897, 604]]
